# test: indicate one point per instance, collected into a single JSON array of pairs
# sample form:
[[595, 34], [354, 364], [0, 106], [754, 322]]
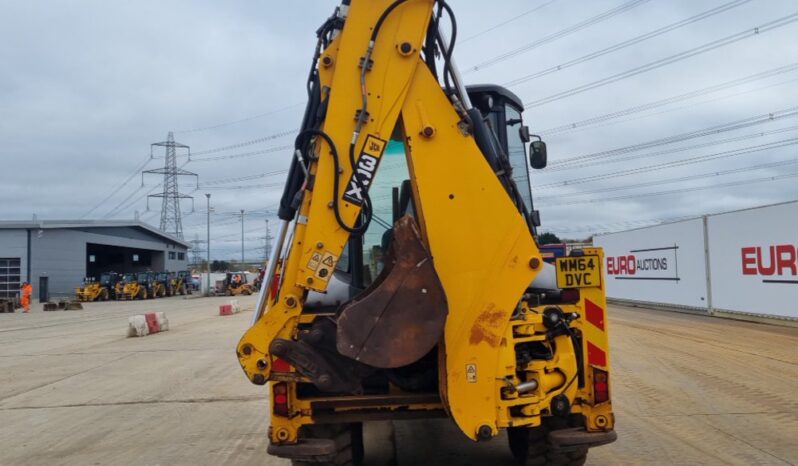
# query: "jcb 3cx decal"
[[366, 168]]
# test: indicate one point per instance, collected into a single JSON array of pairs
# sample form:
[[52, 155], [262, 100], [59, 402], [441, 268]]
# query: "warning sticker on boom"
[[324, 268], [366, 168], [471, 373], [313, 263]]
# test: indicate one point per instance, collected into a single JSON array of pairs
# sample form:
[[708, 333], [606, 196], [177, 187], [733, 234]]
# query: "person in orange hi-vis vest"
[[27, 289]]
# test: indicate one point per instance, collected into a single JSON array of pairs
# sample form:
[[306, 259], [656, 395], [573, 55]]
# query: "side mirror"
[[537, 154]]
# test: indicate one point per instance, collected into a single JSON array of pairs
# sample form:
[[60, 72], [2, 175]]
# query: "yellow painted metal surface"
[[480, 244], [387, 85]]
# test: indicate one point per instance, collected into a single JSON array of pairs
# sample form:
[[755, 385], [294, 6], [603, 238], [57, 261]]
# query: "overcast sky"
[[87, 86]]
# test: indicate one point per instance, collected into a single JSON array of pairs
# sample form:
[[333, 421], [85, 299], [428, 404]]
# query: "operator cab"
[[391, 192], [502, 110]]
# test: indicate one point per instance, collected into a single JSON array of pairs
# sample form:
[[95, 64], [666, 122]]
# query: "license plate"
[[578, 272]]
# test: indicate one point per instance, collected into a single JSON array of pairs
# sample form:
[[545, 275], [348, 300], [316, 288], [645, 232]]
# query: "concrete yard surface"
[[74, 390]]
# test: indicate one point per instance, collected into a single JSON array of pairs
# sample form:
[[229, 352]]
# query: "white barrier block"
[[137, 326], [236, 307], [163, 322]]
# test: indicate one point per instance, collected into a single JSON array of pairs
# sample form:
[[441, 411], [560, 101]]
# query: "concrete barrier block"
[[137, 326], [236, 307], [163, 322], [142, 325], [152, 322]]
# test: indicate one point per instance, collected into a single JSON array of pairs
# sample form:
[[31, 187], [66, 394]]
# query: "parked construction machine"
[[139, 286], [181, 283], [161, 285], [235, 284], [406, 281], [98, 290], [119, 288]]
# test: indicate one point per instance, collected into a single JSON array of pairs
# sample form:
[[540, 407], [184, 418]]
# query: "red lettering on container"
[[786, 259], [749, 261], [770, 269]]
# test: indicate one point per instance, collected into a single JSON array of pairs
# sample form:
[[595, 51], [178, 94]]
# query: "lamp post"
[[208, 251], [242, 238]]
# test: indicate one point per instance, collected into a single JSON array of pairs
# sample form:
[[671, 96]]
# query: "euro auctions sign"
[[775, 263], [645, 264], [753, 258], [662, 264]]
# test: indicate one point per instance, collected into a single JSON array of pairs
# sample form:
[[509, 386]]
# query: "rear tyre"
[[348, 440], [530, 447], [104, 295]]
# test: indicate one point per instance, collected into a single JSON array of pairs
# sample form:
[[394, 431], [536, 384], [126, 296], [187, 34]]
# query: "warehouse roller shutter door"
[[10, 276]]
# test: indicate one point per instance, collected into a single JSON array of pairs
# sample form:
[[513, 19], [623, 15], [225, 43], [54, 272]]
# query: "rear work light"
[[601, 386], [280, 405]]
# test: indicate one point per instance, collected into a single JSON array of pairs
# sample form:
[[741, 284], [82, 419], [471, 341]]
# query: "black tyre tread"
[[343, 434], [537, 451], [567, 458]]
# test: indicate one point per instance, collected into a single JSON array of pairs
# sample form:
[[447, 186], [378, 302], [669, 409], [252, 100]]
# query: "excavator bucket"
[[399, 318]]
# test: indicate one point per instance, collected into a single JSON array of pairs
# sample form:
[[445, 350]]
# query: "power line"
[[676, 191], [239, 145], [627, 43], [688, 106], [121, 206], [676, 150], [245, 154], [601, 227], [245, 186], [670, 100], [675, 163], [769, 26], [119, 188], [557, 35], [243, 178], [680, 179], [712, 130], [504, 23], [243, 120]]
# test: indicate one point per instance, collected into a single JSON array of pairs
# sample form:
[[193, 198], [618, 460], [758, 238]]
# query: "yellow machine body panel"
[[484, 267]]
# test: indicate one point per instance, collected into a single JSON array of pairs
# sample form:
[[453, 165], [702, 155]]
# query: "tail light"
[[601, 386], [280, 404], [280, 365], [570, 295]]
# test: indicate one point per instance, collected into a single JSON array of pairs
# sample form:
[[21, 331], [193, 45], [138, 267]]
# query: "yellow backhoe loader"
[[406, 281], [98, 290]]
